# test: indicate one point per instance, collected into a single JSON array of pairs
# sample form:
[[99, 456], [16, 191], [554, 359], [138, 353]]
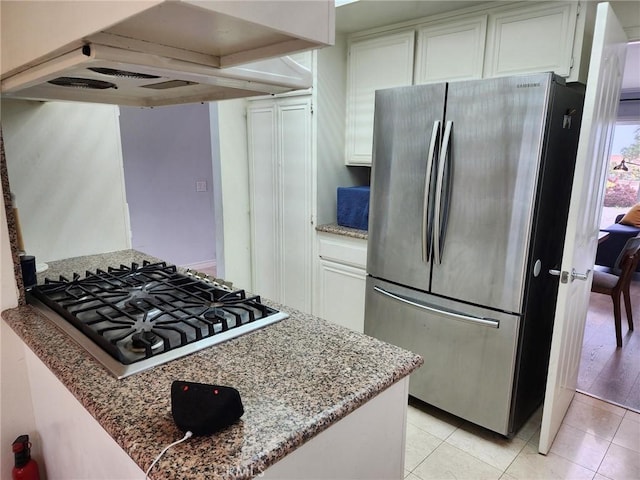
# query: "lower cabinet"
[[342, 280], [62, 422]]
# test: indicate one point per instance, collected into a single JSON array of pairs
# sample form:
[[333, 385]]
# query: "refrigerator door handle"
[[427, 224], [486, 322], [441, 211], [440, 215]]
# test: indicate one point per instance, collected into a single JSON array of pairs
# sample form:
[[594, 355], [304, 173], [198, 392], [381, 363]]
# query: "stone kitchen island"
[[320, 401]]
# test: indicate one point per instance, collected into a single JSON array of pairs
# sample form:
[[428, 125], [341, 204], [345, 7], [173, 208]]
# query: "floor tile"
[[620, 464], [628, 434], [534, 441], [531, 426], [596, 402], [418, 445], [487, 446], [580, 447], [411, 476], [593, 418], [506, 476], [432, 420], [631, 415], [530, 465], [448, 462]]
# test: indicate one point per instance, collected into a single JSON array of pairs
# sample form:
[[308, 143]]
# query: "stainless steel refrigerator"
[[469, 198]]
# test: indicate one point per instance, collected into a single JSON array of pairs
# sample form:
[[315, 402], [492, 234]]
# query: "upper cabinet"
[[380, 62], [512, 38], [536, 39], [451, 50]]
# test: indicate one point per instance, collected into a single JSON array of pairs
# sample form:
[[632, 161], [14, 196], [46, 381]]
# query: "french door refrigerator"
[[469, 198]]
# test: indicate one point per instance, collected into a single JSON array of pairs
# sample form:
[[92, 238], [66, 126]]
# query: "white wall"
[[166, 151], [65, 168], [330, 97], [8, 287], [16, 412]]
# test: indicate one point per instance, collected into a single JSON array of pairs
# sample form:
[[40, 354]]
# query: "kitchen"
[[269, 444], [325, 207]]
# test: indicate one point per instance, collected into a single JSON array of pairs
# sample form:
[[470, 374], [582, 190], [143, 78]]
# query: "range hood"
[[101, 74], [158, 52]]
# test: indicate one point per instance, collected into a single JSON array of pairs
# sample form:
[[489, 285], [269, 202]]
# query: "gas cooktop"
[[132, 318]]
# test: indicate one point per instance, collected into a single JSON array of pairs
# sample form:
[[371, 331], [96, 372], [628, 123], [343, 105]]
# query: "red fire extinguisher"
[[25, 467]]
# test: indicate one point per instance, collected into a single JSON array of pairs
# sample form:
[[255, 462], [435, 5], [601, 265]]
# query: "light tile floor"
[[597, 441]]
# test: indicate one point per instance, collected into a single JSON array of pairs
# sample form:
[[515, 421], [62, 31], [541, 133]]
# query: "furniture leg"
[[627, 305], [617, 319]]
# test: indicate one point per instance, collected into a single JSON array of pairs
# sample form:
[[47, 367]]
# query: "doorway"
[[607, 372], [168, 170]]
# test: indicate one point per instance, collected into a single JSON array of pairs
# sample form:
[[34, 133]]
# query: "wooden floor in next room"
[[608, 372]]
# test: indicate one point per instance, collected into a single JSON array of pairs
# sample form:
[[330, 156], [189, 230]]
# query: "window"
[[623, 174]]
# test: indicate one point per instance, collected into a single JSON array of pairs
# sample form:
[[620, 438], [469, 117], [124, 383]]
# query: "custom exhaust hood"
[[158, 52]]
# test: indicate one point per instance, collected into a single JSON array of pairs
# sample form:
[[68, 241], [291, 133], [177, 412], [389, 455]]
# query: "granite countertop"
[[340, 230], [295, 377]]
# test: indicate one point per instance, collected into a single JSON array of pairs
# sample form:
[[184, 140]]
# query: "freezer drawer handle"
[[487, 322]]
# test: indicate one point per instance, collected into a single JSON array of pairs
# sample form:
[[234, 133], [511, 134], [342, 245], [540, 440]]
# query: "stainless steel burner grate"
[[142, 316]]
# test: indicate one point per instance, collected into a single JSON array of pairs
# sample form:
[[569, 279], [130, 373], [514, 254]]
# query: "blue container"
[[353, 207]]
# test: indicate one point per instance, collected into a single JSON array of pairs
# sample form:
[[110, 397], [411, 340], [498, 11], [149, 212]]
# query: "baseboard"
[[627, 407], [201, 265]]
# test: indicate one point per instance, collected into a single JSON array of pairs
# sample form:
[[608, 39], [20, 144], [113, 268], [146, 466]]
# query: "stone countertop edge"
[[340, 230], [296, 378]]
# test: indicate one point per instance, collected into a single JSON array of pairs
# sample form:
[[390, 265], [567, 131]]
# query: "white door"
[[601, 101], [280, 185]]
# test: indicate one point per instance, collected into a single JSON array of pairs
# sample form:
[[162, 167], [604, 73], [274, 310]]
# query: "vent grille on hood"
[[120, 73], [75, 82], [168, 84]]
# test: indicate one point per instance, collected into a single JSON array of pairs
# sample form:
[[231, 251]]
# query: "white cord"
[[187, 436]]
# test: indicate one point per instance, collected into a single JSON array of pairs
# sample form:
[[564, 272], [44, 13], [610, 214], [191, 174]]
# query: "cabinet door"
[[451, 51], [296, 235], [381, 62], [342, 291], [536, 39], [280, 177], [342, 280], [264, 187]]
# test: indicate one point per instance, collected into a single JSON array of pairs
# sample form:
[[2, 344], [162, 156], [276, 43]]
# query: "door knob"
[[564, 276], [579, 276]]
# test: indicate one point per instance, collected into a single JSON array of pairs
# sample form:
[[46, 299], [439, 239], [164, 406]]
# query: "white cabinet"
[[281, 189], [532, 39], [500, 39], [451, 50], [62, 421], [342, 280], [374, 63]]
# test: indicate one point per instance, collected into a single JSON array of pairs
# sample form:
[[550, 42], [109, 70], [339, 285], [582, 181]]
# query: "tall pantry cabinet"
[[281, 197]]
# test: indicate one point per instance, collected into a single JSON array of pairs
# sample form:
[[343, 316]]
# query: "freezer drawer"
[[469, 352]]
